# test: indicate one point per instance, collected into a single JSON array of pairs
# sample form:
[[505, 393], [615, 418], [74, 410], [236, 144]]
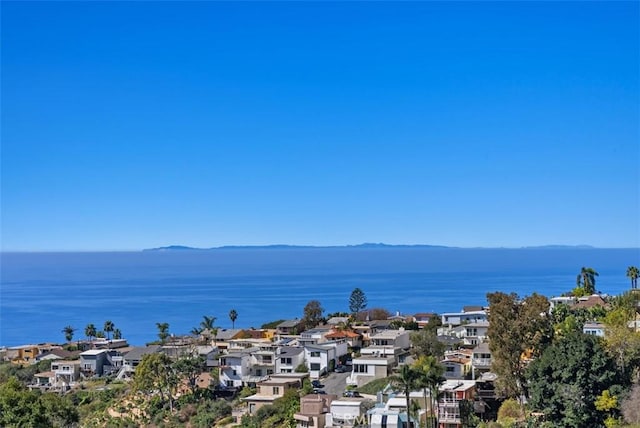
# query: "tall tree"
[[357, 301], [189, 368], [568, 378], [633, 273], [430, 377], [68, 333], [233, 316], [117, 334], [108, 328], [622, 343], [312, 314], [515, 329], [587, 280], [406, 380], [163, 331], [90, 331], [155, 374], [425, 342]]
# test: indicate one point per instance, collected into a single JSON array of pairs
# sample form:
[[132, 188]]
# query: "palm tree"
[[90, 331], [196, 331], [233, 316], [68, 333], [207, 322], [163, 331], [214, 333], [117, 334], [430, 378], [108, 328], [633, 273], [406, 380], [587, 279]]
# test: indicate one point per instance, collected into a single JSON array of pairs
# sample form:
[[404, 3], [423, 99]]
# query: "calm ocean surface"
[[43, 292]]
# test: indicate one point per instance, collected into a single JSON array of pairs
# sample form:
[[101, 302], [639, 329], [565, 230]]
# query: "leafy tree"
[[233, 316], [108, 328], [633, 273], [607, 403], [20, 407], [516, 328], [622, 343], [156, 374], [272, 324], [163, 331], [568, 378], [587, 280], [510, 412], [425, 342], [90, 331], [302, 368], [357, 301], [68, 333], [189, 368], [406, 380], [117, 334], [312, 314]]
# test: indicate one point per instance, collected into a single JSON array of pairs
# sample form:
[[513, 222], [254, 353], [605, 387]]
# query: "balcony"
[[481, 362], [449, 417]]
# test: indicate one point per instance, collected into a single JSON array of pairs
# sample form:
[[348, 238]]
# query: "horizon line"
[[370, 245]]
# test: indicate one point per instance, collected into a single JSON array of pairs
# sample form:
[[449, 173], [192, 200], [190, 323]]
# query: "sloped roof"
[[289, 323], [590, 302], [140, 351], [342, 334]]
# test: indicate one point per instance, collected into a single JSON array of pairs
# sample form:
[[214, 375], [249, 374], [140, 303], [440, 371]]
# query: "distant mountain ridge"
[[363, 245]]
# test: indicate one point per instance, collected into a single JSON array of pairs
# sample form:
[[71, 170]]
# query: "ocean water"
[[43, 292]]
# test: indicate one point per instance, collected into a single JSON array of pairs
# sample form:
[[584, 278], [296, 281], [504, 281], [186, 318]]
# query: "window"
[[315, 366], [258, 372], [276, 390], [315, 353], [360, 368], [269, 371], [230, 383], [450, 369], [266, 358], [234, 373], [285, 360]]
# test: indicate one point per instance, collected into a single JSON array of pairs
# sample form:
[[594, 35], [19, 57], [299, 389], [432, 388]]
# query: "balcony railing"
[[481, 362]]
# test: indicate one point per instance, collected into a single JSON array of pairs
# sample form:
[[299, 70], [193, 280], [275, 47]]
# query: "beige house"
[[273, 388], [313, 411]]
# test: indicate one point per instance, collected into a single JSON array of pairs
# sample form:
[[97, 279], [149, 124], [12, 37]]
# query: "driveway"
[[335, 383]]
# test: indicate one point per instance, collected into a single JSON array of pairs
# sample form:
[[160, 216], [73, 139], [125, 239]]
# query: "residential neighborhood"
[[335, 361]]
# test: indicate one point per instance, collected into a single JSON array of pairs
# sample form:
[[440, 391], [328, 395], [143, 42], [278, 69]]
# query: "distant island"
[[363, 245]]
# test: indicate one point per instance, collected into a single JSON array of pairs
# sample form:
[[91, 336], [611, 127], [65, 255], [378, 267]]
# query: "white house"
[[367, 368], [475, 332], [234, 368], [481, 359], [288, 359], [593, 328], [314, 336], [457, 318], [321, 359], [346, 413]]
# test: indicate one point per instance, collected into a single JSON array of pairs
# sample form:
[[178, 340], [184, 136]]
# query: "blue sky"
[[134, 125]]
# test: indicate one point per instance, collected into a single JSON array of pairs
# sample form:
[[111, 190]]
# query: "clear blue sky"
[[133, 125]]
